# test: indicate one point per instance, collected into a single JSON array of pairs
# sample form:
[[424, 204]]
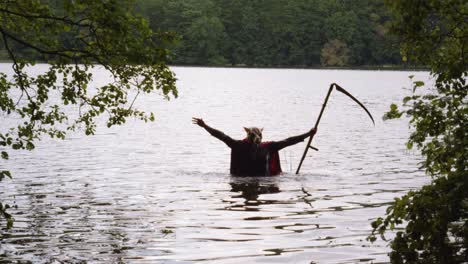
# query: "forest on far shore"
[[309, 33], [268, 33]]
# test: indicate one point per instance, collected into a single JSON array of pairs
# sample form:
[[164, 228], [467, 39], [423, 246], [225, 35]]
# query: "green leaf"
[[30, 146], [409, 145], [5, 173], [417, 84], [16, 146], [10, 220], [393, 113]]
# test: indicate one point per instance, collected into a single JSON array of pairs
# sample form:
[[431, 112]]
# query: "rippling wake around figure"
[[250, 156]]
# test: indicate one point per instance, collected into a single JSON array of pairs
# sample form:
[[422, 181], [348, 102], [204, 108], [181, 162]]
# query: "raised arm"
[[215, 133], [291, 140]]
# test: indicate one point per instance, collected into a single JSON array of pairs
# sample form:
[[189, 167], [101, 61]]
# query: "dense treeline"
[[297, 33], [276, 32]]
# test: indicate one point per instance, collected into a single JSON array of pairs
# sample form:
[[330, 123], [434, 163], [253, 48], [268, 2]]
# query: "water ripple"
[[146, 193]]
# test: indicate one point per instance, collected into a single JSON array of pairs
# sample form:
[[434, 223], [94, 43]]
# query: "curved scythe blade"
[[339, 88]]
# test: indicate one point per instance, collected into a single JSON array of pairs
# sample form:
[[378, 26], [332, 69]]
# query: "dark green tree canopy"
[[73, 37], [274, 32], [434, 33], [245, 32]]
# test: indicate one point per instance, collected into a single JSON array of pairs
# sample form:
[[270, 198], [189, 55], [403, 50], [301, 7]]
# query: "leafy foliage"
[[74, 37], [436, 228], [436, 217], [334, 53], [266, 32], [273, 32]]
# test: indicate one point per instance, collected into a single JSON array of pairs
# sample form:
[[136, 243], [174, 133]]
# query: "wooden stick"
[[340, 89], [316, 125]]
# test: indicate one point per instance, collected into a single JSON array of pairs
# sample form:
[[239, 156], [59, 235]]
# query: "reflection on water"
[[149, 193], [250, 188]]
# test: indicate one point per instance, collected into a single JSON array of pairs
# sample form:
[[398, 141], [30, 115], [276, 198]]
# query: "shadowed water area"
[[161, 192]]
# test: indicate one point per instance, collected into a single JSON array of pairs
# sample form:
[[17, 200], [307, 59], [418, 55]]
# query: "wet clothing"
[[250, 159], [273, 162]]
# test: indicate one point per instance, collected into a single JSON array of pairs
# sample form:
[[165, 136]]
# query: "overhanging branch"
[[65, 20]]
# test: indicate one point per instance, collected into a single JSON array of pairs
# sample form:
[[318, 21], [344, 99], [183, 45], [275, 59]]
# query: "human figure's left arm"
[[278, 145]]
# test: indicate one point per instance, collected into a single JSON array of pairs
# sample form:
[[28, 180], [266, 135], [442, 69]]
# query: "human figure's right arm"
[[214, 132]]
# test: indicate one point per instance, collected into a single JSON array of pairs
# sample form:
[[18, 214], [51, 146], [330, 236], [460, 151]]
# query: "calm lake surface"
[[161, 192]]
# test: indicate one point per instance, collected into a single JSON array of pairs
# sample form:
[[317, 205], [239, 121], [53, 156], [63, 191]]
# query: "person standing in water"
[[250, 156]]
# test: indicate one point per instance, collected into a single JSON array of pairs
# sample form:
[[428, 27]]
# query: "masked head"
[[254, 134]]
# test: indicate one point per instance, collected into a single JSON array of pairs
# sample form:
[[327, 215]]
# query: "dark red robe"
[[273, 162], [250, 159]]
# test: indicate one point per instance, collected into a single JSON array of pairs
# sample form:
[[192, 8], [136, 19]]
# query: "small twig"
[[48, 17], [61, 53], [27, 44], [19, 99], [15, 64], [134, 99]]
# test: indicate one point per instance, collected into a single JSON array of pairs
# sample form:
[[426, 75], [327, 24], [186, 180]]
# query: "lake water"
[[161, 192]]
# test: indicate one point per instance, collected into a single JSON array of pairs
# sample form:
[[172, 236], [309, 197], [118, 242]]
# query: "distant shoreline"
[[285, 67], [357, 68]]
